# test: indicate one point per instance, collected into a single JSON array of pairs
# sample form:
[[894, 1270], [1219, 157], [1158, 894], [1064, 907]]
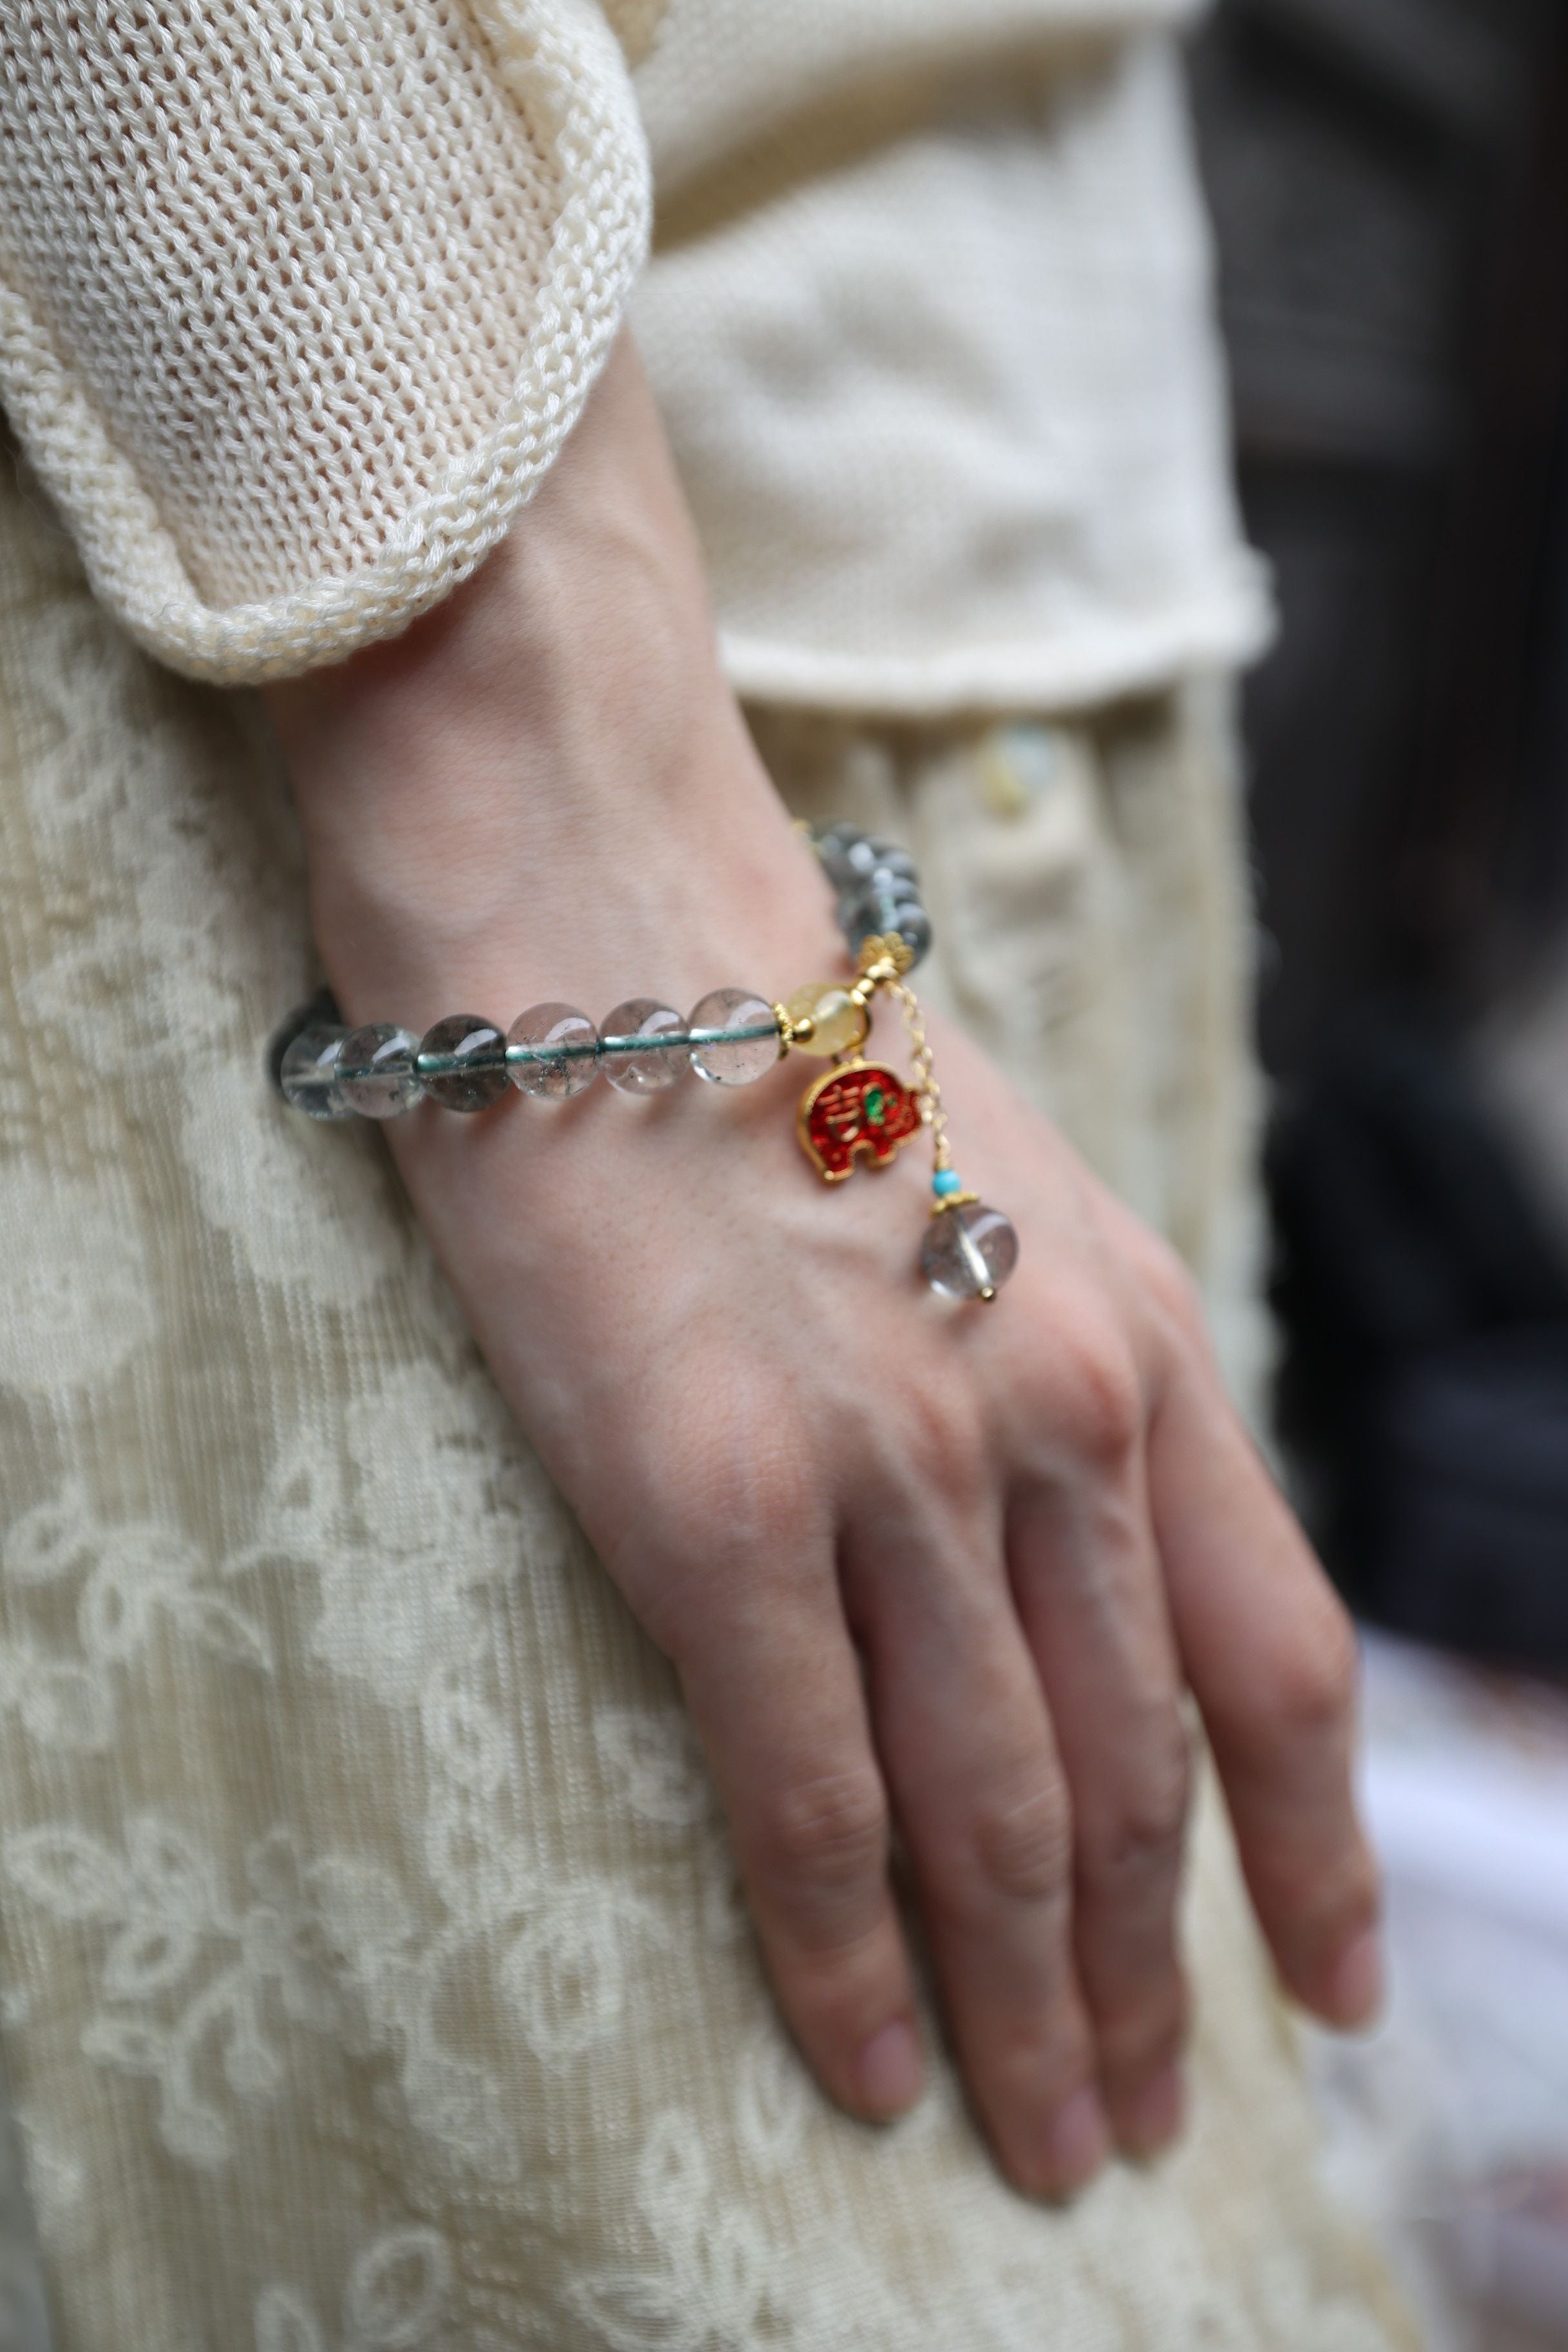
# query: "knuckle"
[[1311, 1693], [708, 1510], [1144, 1829], [751, 1500], [1102, 1399], [1147, 2033], [1361, 1897], [827, 1836], [1169, 1282], [1355, 1897], [737, 1469], [1321, 1902], [936, 1430], [1023, 1844]]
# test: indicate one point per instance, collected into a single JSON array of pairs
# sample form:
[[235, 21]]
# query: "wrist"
[[545, 788], [519, 895]]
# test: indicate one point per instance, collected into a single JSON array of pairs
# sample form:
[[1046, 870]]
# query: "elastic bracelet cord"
[[857, 1109]]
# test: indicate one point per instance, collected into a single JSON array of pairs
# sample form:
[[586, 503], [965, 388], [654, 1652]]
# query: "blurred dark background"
[[1389, 181]]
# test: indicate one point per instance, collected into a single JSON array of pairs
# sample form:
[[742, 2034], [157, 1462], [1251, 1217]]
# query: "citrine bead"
[[838, 1023]]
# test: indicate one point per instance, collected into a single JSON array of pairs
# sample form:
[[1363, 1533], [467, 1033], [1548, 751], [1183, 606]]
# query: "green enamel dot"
[[876, 1106]]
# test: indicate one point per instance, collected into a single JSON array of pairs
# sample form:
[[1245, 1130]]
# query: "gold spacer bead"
[[882, 949], [954, 1200], [877, 975]]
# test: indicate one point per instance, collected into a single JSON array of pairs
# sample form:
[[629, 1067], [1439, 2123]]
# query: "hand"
[[950, 1569]]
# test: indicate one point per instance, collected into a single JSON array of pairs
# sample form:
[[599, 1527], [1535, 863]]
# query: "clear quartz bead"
[[894, 862], [833, 846], [914, 927], [969, 1251], [735, 1037], [307, 1076], [462, 1063], [376, 1072], [551, 1052], [644, 1044]]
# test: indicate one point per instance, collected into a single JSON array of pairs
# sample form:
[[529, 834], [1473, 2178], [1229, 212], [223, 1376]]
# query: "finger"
[[1270, 1655], [776, 1697], [966, 1746], [1087, 1584]]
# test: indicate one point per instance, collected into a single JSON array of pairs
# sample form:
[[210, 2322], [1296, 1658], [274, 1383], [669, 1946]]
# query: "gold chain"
[[926, 1087]]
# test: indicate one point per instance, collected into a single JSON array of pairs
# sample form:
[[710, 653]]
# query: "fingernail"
[[1355, 1987], [1154, 2117], [1077, 2141], [889, 2070]]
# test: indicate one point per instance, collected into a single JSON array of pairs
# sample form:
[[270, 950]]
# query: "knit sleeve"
[[299, 299]]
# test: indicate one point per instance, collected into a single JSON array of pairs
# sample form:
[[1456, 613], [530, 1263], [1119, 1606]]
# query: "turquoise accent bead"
[[946, 1181]]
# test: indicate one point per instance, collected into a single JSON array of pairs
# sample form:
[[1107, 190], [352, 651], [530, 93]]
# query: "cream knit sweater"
[[299, 299]]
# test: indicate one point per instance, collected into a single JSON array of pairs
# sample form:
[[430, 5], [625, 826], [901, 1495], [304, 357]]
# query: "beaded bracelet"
[[857, 1108]]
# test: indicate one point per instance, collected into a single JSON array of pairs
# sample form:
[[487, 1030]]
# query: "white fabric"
[[300, 298], [947, 400], [725, 73]]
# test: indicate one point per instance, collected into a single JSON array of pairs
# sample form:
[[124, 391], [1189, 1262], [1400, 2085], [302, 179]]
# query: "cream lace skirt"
[[373, 1975]]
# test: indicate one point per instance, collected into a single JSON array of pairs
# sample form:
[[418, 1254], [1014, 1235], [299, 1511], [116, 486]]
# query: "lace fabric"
[[373, 1976]]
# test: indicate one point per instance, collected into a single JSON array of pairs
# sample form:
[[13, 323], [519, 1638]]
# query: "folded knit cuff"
[[299, 298]]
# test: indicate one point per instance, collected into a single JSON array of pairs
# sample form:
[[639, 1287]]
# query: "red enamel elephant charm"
[[862, 1107]]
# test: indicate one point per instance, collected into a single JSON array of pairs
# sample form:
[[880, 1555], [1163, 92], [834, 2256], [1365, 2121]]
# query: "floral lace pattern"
[[369, 1942]]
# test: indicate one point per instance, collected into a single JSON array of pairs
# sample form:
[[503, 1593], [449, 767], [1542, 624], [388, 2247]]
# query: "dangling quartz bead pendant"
[[969, 1250]]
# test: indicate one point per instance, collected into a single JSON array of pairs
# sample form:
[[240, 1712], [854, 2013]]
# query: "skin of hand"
[[947, 1571]]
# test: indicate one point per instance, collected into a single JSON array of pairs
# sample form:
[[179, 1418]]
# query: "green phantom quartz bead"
[[645, 1046], [553, 1052], [461, 1063], [376, 1072], [735, 1037], [308, 1077]]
